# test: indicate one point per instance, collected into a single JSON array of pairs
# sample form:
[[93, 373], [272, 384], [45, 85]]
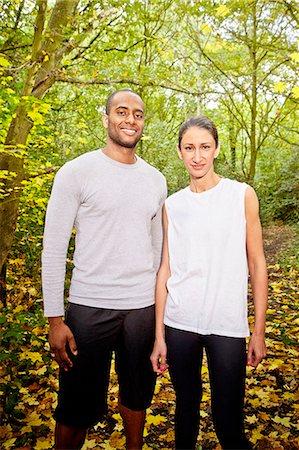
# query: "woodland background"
[[235, 61]]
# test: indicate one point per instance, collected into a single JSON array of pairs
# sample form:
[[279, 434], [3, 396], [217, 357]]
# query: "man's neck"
[[121, 154]]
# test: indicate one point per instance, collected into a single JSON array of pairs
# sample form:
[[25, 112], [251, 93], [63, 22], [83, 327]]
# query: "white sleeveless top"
[[207, 289]]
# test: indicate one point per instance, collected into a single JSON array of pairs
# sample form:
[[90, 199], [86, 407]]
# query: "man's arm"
[[258, 277], [60, 217], [157, 232], [61, 213]]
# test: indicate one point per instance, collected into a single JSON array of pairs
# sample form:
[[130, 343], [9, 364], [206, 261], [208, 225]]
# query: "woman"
[[212, 236]]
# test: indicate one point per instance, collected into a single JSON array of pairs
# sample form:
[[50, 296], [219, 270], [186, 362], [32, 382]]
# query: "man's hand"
[[61, 338]]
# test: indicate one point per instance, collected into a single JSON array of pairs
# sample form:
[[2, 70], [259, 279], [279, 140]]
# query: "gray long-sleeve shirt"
[[116, 211]]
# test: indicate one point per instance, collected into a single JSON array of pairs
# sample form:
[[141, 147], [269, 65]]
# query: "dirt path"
[[276, 240]]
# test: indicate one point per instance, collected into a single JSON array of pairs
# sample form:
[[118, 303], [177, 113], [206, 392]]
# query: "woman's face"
[[198, 151]]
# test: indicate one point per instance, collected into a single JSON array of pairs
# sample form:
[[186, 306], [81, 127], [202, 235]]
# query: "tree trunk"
[[253, 146], [232, 142], [3, 286], [40, 77]]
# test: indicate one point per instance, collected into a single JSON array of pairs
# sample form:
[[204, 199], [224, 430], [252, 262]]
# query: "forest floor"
[[29, 377]]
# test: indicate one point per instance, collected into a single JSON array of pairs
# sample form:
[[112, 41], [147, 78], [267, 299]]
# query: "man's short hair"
[[111, 97]]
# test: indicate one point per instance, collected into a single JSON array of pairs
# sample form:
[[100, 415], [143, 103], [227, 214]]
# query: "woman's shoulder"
[[176, 196], [234, 184]]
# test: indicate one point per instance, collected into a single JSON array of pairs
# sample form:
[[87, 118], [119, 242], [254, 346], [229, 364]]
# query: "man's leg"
[[135, 375], [68, 438], [133, 425], [83, 388]]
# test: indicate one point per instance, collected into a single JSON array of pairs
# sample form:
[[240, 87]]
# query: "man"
[[113, 199]]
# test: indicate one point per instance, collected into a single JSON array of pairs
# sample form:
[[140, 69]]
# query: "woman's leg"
[[184, 356], [227, 368]]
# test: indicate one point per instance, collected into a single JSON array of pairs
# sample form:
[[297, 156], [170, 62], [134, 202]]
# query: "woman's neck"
[[205, 183]]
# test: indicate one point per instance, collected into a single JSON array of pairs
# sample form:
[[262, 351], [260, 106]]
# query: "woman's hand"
[[158, 356], [256, 350]]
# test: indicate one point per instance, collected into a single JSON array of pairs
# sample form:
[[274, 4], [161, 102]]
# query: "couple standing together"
[[212, 234]]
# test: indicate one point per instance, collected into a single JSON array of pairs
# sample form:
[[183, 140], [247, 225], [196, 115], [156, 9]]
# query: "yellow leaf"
[[264, 416], [204, 370], [170, 436], [43, 443], [275, 364], [4, 62], [90, 444], [295, 91], [118, 440], [155, 420], [32, 291], [261, 393], [116, 416], [34, 419], [273, 434], [222, 10], [274, 399], [276, 286], [8, 444], [146, 137], [256, 435], [36, 117], [19, 308], [205, 28], [205, 397], [36, 423], [38, 331], [34, 356], [26, 429], [41, 371], [252, 419], [279, 87], [295, 57], [31, 400], [285, 421], [24, 391], [106, 445]]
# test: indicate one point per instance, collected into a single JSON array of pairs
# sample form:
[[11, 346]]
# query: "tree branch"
[[13, 34], [39, 27], [124, 49], [30, 176], [95, 81]]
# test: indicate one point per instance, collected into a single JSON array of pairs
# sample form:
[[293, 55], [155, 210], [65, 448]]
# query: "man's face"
[[125, 120]]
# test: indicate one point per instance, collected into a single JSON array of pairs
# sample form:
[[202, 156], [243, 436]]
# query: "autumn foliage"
[[29, 379]]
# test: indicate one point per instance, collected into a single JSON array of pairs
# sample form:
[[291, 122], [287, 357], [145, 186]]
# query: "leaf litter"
[[29, 378]]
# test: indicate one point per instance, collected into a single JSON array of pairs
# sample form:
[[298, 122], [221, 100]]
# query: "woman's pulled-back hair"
[[199, 122]]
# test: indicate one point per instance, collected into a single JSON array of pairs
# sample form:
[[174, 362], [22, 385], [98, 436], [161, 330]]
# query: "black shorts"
[[82, 397]]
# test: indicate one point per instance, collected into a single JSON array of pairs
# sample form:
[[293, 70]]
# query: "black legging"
[[227, 369]]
